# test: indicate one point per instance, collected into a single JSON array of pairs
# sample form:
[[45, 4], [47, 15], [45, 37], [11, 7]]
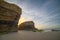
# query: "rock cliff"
[[9, 16], [28, 25]]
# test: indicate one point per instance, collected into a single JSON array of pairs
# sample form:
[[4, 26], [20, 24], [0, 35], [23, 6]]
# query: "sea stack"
[[28, 25], [9, 16]]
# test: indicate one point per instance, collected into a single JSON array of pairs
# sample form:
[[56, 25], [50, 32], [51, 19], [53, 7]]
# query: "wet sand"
[[29, 35]]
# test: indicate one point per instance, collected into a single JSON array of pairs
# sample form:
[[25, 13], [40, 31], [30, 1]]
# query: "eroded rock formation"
[[9, 16], [29, 25]]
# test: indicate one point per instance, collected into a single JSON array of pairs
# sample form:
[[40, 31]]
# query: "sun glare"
[[21, 20]]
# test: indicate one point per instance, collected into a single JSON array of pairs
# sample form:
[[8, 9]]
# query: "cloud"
[[42, 12]]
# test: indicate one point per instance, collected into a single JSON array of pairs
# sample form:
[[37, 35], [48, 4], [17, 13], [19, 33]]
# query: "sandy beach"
[[29, 35]]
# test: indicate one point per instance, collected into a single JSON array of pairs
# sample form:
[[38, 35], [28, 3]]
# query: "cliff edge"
[[9, 16]]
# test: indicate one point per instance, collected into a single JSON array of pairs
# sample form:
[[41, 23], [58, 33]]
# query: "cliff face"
[[9, 16], [29, 25]]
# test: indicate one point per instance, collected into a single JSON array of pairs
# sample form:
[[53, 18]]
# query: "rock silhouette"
[[9, 16], [28, 25]]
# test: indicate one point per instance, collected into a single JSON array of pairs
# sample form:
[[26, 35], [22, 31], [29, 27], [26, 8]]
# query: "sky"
[[44, 13]]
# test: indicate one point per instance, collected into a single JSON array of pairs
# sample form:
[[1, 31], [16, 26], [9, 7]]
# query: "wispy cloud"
[[42, 12]]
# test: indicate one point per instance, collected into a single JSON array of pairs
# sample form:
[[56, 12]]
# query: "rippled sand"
[[29, 35]]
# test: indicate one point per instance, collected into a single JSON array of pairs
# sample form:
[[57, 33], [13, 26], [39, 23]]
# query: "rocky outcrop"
[[29, 25], [9, 16]]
